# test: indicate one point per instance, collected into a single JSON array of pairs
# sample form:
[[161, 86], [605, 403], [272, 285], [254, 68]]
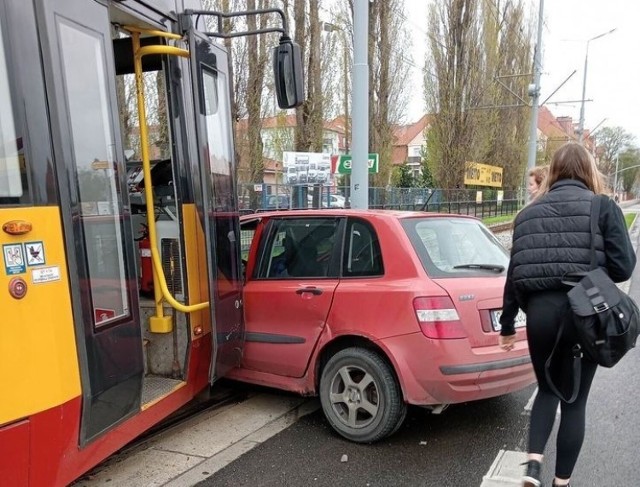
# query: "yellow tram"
[[121, 288]]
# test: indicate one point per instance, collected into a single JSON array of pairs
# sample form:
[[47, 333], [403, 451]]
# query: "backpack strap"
[[576, 350], [595, 216]]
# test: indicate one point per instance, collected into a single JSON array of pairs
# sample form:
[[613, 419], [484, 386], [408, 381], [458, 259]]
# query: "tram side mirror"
[[287, 73]]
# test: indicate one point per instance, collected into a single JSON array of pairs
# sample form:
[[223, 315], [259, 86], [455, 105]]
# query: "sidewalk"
[[192, 451]]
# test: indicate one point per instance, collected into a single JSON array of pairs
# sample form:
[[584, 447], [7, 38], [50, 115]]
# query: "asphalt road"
[[457, 447]]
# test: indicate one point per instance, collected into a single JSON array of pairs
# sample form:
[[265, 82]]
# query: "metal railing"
[[479, 203]]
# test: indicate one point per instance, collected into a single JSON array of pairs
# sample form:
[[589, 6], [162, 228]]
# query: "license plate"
[[520, 321]]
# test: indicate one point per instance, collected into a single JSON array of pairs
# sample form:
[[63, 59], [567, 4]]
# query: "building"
[[278, 136], [409, 142]]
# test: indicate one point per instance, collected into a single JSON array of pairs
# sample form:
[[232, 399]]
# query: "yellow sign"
[[100, 164], [482, 175]]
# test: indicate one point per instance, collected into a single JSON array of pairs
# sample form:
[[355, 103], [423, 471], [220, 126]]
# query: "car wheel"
[[360, 396]]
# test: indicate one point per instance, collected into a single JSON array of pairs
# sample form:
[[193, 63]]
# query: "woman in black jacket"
[[551, 238]]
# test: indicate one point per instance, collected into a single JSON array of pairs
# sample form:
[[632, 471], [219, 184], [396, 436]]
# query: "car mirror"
[[287, 73]]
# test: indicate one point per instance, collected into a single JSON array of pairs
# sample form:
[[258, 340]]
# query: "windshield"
[[456, 247]]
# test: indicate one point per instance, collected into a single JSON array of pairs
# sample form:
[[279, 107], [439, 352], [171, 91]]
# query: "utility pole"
[[584, 82], [534, 93], [360, 106]]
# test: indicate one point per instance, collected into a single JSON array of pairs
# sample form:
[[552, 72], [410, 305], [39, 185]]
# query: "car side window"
[[362, 254], [247, 232], [300, 248]]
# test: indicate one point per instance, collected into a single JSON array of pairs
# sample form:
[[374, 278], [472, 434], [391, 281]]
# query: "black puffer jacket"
[[552, 237]]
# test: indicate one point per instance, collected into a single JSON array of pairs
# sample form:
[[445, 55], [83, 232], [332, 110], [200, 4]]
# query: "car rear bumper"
[[448, 372]]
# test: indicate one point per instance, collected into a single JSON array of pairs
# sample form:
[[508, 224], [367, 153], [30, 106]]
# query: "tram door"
[[219, 214], [79, 66]]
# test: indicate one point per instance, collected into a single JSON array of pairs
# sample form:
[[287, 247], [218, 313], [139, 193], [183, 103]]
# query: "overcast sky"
[[613, 73]]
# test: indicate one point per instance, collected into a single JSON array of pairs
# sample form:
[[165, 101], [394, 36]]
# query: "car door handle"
[[313, 290]]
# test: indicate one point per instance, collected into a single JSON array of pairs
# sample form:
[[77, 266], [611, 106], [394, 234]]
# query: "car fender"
[[346, 338]]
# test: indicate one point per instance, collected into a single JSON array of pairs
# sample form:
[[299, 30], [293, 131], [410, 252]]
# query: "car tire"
[[360, 396]]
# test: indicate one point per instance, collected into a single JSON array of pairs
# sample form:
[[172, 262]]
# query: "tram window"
[[84, 66], [220, 153], [13, 170], [156, 110]]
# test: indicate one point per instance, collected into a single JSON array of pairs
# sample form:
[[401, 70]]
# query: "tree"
[[426, 179], [503, 126], [310, 115], [453, 84], [611, 141], [474, 85], [628, 159], [402, 177], [388, 75]]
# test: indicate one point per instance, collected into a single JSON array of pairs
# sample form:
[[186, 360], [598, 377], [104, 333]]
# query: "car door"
[[289, 292]]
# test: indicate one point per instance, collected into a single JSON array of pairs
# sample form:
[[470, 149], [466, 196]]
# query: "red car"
[[374, 310]]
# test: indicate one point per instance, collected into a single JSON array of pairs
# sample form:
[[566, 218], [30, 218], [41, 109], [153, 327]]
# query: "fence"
[[480, 203]]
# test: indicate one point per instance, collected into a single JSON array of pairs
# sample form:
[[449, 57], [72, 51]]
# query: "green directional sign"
[[344, 164]]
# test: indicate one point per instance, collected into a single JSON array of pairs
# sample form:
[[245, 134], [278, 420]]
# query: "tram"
[[120, 291]]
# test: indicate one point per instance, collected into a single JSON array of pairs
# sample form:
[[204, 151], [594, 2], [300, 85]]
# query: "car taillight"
[[438, 318]]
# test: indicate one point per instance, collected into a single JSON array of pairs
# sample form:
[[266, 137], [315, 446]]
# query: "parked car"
[[333, 201], [375, 310], [279, 201]]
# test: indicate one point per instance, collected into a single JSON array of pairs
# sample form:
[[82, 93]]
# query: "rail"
[[159, 321]]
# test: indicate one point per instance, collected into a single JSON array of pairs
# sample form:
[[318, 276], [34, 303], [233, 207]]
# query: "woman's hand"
[[507, 342]]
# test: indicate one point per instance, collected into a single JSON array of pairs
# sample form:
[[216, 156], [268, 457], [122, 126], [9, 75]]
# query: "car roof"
[[335, 212]]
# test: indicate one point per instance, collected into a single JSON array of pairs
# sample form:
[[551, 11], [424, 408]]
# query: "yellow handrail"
[[160, 288]]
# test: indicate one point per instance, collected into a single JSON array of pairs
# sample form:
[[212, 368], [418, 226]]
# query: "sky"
[[613, 72]]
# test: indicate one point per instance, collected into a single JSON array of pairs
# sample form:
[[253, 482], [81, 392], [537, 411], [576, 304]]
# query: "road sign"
[[344, 164]]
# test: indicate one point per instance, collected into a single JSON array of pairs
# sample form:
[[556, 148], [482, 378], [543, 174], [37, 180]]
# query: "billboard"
[[482, 175], [306, 167]]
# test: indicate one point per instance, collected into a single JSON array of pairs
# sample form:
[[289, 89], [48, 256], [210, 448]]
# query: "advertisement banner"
[[306, 167]]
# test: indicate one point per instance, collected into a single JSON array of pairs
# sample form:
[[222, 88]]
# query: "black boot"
[[532, 476]]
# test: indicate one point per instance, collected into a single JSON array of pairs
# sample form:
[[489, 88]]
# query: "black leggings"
[[545, 312]]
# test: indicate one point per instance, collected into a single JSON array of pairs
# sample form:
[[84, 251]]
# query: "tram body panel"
[[37, 344]]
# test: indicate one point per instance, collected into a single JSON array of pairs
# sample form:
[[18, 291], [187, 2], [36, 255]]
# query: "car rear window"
[[456, 247]]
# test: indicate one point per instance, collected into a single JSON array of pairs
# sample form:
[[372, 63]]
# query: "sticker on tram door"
[[35, 253], [14, 259], [103, 314]]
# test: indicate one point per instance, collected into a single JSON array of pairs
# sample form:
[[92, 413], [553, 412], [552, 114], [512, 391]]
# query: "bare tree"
[[453, 84], [388, 76], [310, 116], [630, 161], [475, 84], [255, 83], [612, 141], [502, 118]]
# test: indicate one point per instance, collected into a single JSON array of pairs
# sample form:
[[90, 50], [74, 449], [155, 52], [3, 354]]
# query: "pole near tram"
[[360, 106]]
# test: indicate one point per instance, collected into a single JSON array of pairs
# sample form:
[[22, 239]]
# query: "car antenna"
[[426, 203]]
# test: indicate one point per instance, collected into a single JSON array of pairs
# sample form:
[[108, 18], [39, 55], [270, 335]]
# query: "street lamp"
[[584, 81]]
